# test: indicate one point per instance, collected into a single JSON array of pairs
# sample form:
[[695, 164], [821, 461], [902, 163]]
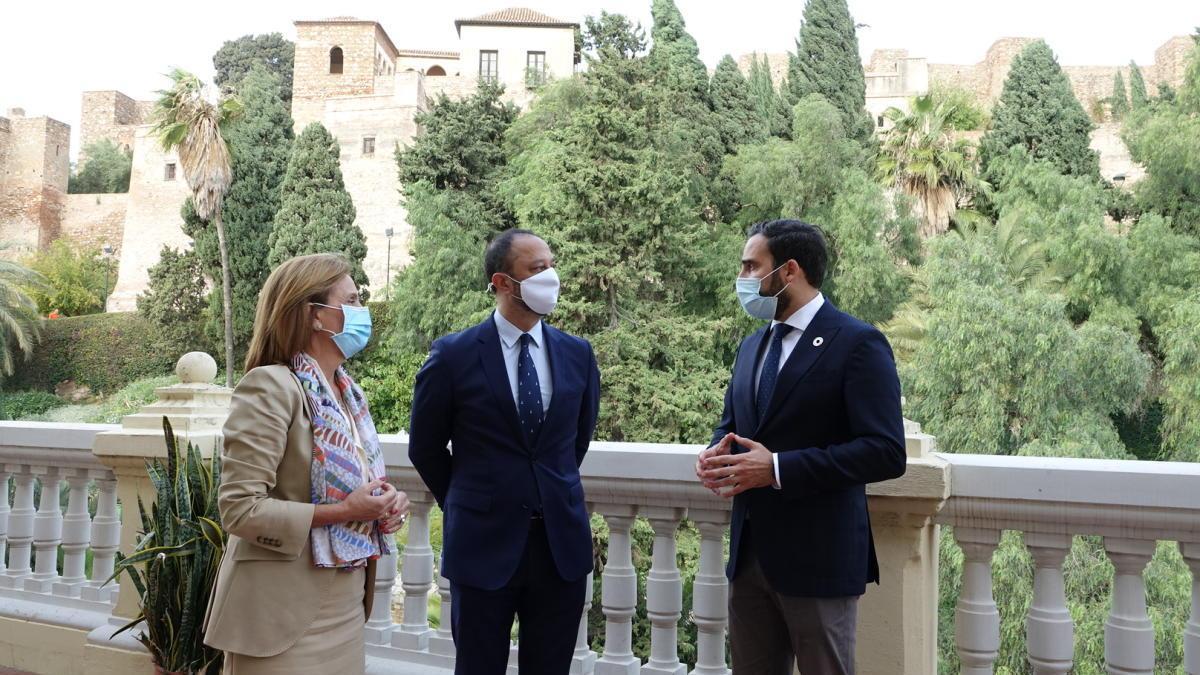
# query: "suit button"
[[525, 506]]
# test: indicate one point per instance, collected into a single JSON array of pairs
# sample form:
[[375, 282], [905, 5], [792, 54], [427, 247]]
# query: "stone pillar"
[[1050, 634], [897, 620], [196, 409], [1128, 633]]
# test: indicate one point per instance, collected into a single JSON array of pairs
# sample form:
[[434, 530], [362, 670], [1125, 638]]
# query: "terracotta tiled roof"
[[515, 16]]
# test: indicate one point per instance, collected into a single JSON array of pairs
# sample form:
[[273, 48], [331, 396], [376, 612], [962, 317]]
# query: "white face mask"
[[540, 291]]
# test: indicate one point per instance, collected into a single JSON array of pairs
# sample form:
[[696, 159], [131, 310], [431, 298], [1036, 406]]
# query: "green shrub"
[[128, 400], [75, 279], [23, 405], [103, 351]]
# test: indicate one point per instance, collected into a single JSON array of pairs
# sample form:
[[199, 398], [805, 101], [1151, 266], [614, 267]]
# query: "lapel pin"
[[817, 342]]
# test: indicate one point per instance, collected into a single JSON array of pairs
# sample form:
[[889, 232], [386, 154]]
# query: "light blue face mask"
[[356, 329], [757, 305]]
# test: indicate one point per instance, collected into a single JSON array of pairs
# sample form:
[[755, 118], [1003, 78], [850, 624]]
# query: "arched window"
[[436, 71], [335, 61]]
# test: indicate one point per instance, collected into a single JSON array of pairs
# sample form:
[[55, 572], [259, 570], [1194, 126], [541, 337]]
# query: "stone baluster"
[[664, 593], [976, 619], [5, 474], [584, 660], [1128, 633], [710, 593], [20, 527], [1050, 634], [442, 641], [77, 534], [1191, 634], [380, 624], [416, 577], [106, 538], [618, 593], [47, 533]]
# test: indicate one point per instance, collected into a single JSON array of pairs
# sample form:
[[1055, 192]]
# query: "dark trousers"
[[769, 631], [547, 608]]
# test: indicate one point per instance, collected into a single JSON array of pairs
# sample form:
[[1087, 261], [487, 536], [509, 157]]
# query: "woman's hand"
[[399, 511], [363, 506]]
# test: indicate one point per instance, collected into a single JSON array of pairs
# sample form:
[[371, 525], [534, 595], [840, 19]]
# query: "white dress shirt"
[[799, 321], [510, 347]]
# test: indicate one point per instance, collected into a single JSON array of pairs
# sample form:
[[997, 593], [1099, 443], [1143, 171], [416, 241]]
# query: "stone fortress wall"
[[371, 105]]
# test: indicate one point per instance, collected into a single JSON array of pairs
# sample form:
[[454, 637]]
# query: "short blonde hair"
[[282, 323]]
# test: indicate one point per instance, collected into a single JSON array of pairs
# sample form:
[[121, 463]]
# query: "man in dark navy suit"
[[517, 400], [812, 415]]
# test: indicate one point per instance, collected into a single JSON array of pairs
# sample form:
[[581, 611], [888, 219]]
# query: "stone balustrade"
[[56, 618], [1131, 504]]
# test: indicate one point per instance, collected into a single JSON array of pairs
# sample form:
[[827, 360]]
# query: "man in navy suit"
[[517, 400], [812, 415]]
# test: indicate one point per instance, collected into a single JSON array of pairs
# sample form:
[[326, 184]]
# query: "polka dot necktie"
[[529, 392], [770, 369]]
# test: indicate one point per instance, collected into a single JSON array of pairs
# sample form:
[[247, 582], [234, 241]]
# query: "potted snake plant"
[[174, 565]]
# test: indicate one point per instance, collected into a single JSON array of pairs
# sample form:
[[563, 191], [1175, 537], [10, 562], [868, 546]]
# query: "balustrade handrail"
[[57, 444], [1129, 499]]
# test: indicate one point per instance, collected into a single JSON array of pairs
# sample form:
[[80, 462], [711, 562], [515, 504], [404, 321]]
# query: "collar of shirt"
[[799, 319], [510, 334]]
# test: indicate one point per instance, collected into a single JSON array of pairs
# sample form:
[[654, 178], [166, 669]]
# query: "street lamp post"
[[107, 263], [387, 275]]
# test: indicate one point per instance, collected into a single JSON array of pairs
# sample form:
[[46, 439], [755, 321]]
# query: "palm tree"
[[921, 156], [186, 120], [20, 323]]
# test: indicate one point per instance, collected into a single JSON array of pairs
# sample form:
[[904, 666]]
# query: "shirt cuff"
[[775, 459]]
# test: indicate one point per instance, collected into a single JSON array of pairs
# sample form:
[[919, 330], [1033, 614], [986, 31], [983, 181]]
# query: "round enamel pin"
[[818, 342]]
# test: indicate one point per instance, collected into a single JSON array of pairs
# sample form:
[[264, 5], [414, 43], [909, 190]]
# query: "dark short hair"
[[795, 240], [498, 255]]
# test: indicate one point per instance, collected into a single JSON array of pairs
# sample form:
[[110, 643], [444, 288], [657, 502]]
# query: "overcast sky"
[[53, 51]]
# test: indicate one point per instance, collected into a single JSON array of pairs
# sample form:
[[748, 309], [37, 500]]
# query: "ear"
[[500, 281], [794, 271]]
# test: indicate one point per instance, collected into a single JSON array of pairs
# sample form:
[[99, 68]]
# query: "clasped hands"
[[717, 468], [389, 507]]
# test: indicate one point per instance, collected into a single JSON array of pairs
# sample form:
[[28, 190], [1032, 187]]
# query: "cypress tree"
[[1119, 99], [738, 119], [259, 143], [1137, 87], [826, 62], [770, 103], [1037, 110], [675, 56], [448, 177], [679, 90], [316, 214]]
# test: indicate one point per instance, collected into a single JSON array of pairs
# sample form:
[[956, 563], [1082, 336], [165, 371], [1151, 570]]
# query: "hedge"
[[23, 405], [103, 351]]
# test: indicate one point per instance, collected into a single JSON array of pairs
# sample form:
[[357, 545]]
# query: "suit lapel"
[[743, 380], [813, 344], [491, 357]]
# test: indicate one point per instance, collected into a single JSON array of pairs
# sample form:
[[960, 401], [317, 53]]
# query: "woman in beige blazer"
[[303, 492]]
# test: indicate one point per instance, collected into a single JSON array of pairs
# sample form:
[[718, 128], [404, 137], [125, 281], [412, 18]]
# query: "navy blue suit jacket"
[[835, 421], [492, 482]]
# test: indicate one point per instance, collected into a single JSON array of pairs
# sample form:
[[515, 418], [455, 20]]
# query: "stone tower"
[[34, 168], [342, 56], [109, 115]]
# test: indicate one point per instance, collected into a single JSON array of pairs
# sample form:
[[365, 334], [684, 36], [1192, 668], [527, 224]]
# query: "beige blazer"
[[268, 591]]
